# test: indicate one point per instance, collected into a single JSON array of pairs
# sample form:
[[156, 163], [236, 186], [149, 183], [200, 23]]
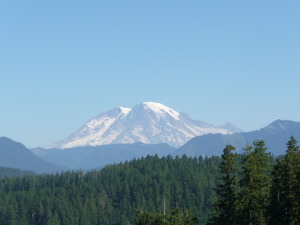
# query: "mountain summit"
[[147, 122]]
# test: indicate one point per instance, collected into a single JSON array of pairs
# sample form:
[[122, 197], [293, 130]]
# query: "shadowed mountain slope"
[[16, 155]]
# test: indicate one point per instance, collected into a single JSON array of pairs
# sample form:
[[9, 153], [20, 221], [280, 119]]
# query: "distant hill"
[[99, 156], [16, 155], [275, 135]]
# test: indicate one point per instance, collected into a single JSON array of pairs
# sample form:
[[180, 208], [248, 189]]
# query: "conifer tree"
[[276, 192], [224, 208], [290, 206], [254, 195]]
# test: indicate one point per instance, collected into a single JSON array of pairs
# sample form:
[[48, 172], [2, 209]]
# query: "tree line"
[[251, 188]]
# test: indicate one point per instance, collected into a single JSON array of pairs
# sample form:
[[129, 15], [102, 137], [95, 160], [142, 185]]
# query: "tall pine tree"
[[224, 208], [255, 184], [290, 206], [276, 192]]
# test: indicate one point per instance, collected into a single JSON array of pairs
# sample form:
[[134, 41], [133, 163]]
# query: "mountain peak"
[[160, 109], [280, 125], [147, 122]]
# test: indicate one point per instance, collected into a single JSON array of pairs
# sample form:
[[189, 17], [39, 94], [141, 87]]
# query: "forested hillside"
[[11, 172], [250, 188], [112, 195]]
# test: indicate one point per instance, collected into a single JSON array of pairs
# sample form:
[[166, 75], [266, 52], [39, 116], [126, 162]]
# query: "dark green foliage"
[[291, 184], [177, 217], [285, 207], [112, 195], [224, 208], [268, 191], [145, 218], [253, 198]]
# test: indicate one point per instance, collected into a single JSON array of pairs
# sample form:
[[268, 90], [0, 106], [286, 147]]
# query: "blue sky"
[[62, 63]]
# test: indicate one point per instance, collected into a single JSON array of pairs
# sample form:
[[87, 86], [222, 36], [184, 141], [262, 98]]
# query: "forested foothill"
[[251, 188]]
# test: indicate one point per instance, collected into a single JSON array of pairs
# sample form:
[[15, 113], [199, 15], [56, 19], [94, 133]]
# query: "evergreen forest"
[[251, 188], [12, 172]]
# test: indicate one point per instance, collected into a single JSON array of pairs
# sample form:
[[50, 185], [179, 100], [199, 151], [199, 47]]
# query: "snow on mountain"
[[148, 122], [161, 110]]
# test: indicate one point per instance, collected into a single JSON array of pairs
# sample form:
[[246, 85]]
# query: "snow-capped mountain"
[[148, 122]]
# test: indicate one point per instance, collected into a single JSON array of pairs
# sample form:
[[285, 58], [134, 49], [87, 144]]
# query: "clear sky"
[[64, 62]]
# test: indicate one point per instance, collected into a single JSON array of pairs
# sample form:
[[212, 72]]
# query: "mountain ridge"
[[275, 135]]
